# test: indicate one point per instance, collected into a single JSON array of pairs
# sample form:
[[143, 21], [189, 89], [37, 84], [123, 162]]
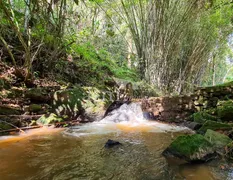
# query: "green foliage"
[[101, 35], [100, 63], [49, 119]]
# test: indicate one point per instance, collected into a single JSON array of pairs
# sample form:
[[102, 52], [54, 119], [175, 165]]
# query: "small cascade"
[[126, 113], [126, 118]]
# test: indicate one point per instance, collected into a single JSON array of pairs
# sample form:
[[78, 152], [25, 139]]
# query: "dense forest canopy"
[[174, 45]]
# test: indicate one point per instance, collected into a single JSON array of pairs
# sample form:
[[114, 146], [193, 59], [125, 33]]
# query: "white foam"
[[127, 118]]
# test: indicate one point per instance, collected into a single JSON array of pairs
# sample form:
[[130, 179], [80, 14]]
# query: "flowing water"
[[79, 153]]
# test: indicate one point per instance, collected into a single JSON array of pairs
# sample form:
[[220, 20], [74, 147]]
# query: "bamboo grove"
[[174, 45]]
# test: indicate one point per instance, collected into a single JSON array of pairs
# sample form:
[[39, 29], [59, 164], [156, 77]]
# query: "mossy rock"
[[202, 117], [38, 95], [48, 119], [218, 140], [211, 111], [225, 111], [4, 110], [68, 102], [213, 125], [191, 148], [35, 108], [212, 102]]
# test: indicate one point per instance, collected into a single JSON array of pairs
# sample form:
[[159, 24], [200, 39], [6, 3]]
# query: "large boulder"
[[218, 140], [68, 102], [213, 125], [191, 148], [97, 102], [88, 103], [48, 119]]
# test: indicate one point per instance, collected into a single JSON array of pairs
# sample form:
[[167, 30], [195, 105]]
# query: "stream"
[[79, 153]]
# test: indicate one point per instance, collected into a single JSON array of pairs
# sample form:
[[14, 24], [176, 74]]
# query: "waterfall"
[[126, 113]]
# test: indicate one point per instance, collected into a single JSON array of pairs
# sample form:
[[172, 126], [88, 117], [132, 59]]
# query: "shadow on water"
[[79, 153]]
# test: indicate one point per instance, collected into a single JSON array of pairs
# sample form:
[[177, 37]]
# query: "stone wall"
[[179, 108], [209, 97], [169, 108]]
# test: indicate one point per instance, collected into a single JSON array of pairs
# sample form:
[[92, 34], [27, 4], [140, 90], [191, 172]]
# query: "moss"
[[190, 144], [49, 119], [35, 107], [218, 140], [213, 125], [225, 111], [202, 117], [225, 84], [211, 111]]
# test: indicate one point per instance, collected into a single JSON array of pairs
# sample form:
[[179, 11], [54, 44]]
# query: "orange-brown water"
[[79, 153]]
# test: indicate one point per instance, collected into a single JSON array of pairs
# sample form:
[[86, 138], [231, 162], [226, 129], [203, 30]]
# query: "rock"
[[202, 117], [48, 119], [229, 150], [192, 125], [5, 110], [111, 143], [213, 125], [38, 95], [69, 102], [35, 108], [212, 102], [225, 111], [149, 116], [218, 140], [98, 100], [191, 148], [15, 93]]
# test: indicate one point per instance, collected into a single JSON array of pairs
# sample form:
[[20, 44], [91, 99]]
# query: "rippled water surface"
[[79, 153]]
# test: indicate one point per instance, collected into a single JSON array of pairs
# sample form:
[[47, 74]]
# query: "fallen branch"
[[17, 129], [22, 116]]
